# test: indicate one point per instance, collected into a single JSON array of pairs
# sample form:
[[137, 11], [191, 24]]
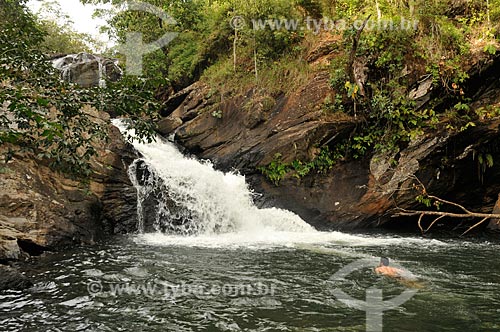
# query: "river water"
[[218, 263], [177, 284]]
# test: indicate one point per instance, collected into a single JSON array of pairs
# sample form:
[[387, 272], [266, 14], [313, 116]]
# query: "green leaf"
[[42, 102]]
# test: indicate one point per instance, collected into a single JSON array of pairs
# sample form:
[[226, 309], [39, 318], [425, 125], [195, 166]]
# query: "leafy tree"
[[53, 120], [205, 34], [60, 37]]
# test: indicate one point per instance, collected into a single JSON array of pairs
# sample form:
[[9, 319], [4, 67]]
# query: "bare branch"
[[420, 222], [450, 203], [410, 213], [433, 223], [471, 228], [467, 214]]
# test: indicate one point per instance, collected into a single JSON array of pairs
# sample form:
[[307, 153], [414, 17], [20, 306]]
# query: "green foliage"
[[390, 125], [59, 40], [54, 121], [59, 35], [217, 114], [490, 49], [428, 201], [424, 199], [133, 98], [183, 58], [205, 34], [177, 62], [487, 112], [485, 160], [440, 44], [276, 170], [338, 75], [322, 163]]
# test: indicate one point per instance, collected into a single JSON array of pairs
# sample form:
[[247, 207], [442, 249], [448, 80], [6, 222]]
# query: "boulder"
[[12, 279], [87, 70], [168, 125], [41, 209]]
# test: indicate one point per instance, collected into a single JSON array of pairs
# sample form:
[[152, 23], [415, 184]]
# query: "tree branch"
[[433, 223], [467, 214], [471, 228], [449, 203], [409, 213], [352, 55]]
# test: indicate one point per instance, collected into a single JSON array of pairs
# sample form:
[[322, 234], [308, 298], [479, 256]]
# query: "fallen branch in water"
[[440, 215]]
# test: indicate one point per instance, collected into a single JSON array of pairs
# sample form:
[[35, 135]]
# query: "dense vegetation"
[[440, 40], [49, 118], [59, 34]]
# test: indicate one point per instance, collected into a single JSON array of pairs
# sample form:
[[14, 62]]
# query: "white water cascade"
[[196, 199], [193, 204]]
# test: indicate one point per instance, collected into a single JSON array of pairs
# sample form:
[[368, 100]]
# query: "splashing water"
[[193, 204], [195, 199]]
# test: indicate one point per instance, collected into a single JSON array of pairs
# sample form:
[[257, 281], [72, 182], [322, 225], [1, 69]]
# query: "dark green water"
[[292, 290]]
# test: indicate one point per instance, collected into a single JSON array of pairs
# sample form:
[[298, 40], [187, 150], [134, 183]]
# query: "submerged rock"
[[12, 279]]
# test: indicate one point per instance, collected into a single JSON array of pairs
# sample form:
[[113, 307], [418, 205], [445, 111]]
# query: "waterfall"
[[190, 197], [87, 70], [184, 201]]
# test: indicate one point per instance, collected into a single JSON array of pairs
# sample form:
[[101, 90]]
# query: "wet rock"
[[168, 125], [87, 70], [160, 211], [111, 184], [12, 279]]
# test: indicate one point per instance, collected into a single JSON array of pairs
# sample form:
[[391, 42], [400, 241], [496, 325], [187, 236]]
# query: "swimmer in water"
[[386, 270], [404, 277]]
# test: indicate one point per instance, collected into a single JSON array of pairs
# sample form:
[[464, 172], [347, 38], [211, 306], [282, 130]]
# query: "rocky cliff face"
[[42, 210], [246, 131]]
